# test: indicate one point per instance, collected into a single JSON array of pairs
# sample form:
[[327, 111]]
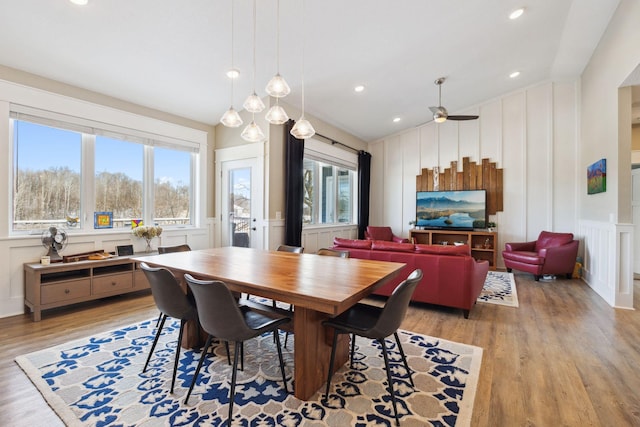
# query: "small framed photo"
[[103, 220]]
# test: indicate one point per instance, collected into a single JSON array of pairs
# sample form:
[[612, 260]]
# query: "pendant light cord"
[[302, 73], [232, 64]]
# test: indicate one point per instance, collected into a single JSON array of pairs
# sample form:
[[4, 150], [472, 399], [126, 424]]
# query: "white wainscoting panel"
[[607, 265], [314, 238]]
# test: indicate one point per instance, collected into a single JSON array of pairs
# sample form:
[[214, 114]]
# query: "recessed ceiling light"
[[79, 2], [396, 119], [516, 13], [233, 73], [514, 74], [359, 88]]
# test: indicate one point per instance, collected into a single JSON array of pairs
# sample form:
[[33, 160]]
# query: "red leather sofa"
[[552, 253], [451, 276]]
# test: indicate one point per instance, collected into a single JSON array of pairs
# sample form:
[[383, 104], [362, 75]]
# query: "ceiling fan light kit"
[[440, 114]]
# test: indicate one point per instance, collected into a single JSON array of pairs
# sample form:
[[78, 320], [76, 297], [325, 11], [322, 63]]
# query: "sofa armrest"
[[400, 239], [560, 259], [520, 246]]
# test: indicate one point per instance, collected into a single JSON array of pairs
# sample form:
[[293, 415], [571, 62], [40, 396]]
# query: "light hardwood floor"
[[563, 358]]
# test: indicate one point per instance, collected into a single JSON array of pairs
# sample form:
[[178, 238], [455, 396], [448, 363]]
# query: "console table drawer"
[[65, 291], [112, 283]]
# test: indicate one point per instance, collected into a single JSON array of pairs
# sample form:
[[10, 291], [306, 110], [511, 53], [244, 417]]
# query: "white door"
[[241, 204]]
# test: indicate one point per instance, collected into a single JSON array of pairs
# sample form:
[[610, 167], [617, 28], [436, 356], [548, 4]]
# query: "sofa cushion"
[[352, 243], [380, 233], [443, 249], [525, 257], [382, 245], [547, 239]]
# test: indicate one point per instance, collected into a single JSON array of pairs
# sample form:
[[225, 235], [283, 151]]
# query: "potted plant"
[[412, 224], [491, 226]]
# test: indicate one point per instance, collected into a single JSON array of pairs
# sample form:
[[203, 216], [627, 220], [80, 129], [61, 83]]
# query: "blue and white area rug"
[[98, 381], [499, 288]]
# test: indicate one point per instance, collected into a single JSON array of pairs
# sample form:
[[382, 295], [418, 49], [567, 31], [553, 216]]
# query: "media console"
[[482, 243], [61, 284]]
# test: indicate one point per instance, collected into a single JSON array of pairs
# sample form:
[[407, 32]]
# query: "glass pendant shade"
[[252, 133], [253, 104], [276, 115], [278, 87], [231, 118], [303, 129]]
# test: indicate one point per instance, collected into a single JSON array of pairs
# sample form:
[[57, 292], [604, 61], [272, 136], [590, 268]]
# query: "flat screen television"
[[453, 210]]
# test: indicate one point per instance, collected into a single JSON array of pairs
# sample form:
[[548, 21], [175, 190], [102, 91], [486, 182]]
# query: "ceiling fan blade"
[[460, 118], [434, 109]]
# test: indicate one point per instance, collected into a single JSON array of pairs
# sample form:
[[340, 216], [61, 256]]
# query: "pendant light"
[[253, 104], [302, 129], [277, 86], [231, 118]]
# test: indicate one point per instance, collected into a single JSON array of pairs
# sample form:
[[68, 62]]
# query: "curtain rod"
[[334, 142]]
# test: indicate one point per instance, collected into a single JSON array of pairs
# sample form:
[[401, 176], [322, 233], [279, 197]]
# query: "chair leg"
[[330, 373], [175, 363], [286, 339], [404, 359], [353, 350], [159, 318], [195, 375], [389, 379], [284, 377], [226, 345], [155, 340], [232, 390]]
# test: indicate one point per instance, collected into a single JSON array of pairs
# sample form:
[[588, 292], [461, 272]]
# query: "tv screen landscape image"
[[455, 210]]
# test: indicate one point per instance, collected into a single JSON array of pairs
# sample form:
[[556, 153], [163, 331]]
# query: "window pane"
[[172, 177], [118, 185], [345, 192], [46, 176], [328, 195], [309, 177]]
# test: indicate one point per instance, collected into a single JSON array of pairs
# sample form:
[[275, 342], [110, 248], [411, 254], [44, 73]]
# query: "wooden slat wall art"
[[483, 176]]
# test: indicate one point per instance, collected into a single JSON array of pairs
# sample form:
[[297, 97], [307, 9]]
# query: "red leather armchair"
[[383, 233], [552, 253]]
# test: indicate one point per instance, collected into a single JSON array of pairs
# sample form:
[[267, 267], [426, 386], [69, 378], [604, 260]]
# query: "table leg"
[[313, 351]]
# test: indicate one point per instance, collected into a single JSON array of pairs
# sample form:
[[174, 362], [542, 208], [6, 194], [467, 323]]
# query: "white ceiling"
[[172, 55]]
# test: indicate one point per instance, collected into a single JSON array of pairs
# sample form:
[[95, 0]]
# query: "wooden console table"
[[482, 243], [61, 284]]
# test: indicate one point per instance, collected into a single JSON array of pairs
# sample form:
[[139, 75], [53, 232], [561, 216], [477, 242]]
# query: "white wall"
[[531, 134], [605, 132]]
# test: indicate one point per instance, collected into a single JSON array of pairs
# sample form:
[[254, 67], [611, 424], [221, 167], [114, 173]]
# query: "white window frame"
[[89, 128], [319, 151]]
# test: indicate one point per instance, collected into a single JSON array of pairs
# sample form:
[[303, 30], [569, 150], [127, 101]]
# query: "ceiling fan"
[[440, 113]]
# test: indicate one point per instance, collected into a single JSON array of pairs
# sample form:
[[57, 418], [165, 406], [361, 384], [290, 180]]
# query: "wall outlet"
[[278, 215]]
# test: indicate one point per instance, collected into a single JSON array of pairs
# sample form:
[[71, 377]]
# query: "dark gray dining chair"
[[172, 302], [221, 317], [376, 323], [177, 248], [289, 248], [321, 252], [165, 250], [332, 252]]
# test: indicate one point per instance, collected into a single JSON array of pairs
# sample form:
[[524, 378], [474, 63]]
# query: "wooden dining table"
[[318, 287]]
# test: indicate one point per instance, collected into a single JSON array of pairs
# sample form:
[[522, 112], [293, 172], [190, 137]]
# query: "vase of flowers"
[[147, 233]]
